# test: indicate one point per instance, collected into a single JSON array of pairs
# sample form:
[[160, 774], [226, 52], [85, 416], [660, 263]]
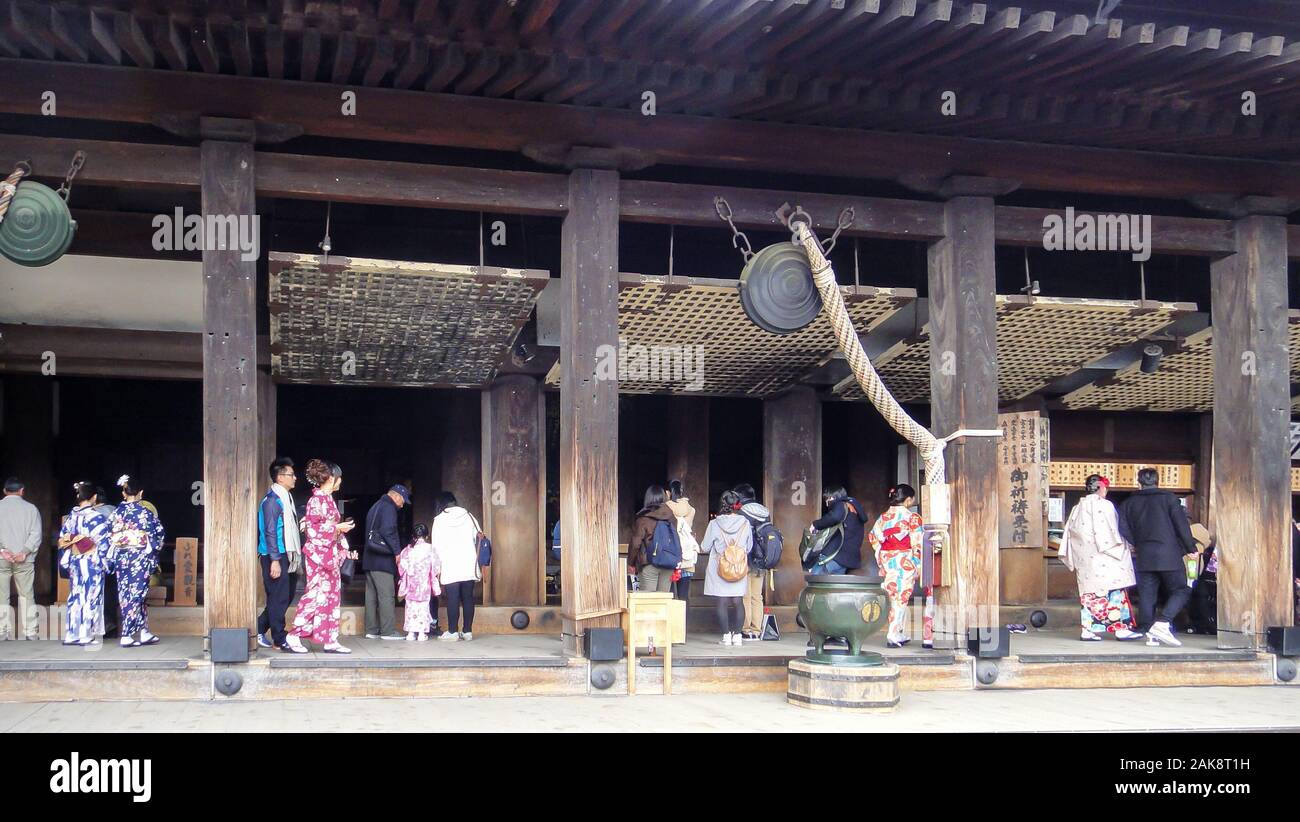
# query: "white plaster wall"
[[104, 292]]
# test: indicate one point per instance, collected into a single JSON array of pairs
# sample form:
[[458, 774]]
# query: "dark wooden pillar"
[[1203, 493], [514, 490], [266, 425], [792, 478], [964, 388], [688, 453], [426, 468], [462, 473], [592, 579], [231, 442], [1252, 403], [872, 463], [28, 404]]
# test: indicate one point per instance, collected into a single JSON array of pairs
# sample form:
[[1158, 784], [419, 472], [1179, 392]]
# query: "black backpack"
[[768, 542]]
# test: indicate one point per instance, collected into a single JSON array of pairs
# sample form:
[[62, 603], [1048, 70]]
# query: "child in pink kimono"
[[419, 566]]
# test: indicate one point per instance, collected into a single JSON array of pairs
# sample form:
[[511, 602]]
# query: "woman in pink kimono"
[[419, 566], [323, 553], [1103, 565], [897, 538]]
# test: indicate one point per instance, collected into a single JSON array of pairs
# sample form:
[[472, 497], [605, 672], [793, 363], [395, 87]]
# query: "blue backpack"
[[664, 549]]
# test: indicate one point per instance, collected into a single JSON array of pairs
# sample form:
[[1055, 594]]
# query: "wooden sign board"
[[1122, 475], [187, 571], [1022, 480]]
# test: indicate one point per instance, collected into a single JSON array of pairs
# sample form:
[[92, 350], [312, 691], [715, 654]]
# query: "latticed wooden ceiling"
[[376, 322], [1184, 381], [1150, 77], [1039, 340], [699, 324]]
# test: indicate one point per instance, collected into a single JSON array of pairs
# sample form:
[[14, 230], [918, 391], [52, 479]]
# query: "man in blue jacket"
[[379, 561], [278, 541]]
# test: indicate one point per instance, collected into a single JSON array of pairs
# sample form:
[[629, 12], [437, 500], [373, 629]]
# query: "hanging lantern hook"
[[738, 239], [78, 160]]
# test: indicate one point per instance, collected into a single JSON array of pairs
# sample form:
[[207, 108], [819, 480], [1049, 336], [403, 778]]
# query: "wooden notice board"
[[1023, 460], [187, 571]]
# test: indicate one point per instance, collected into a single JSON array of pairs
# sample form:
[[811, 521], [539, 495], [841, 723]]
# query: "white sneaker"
[[262, 641], [410, 637], [737, 638], [1089, 636], [449, 636], [726, 639], [372, 636], [466, 636], [1161, 633], [422, 638], [1125, 635]]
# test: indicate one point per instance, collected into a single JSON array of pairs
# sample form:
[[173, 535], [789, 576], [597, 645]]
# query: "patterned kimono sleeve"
[[100, 530], [69, 526], [435, 570], [67, 529], [915, 533], [320, 522], [157, 535]]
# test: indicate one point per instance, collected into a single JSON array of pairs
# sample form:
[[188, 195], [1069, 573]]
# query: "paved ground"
[[1057, 643], [1148, 709]]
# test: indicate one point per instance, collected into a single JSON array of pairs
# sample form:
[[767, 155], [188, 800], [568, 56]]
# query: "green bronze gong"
[[777, 290], [38, 227]]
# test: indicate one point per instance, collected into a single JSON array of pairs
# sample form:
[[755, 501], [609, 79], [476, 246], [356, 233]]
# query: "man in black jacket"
[[379, 562], [1155, 524]]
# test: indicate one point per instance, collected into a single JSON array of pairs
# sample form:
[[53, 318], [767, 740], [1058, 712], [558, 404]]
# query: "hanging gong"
[[38, 227], [777, 290]]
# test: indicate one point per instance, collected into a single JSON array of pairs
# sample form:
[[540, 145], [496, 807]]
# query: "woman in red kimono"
[[323, 553]]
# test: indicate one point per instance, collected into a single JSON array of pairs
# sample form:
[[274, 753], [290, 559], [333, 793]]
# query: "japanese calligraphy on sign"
[[187, 572], [1022, 480]]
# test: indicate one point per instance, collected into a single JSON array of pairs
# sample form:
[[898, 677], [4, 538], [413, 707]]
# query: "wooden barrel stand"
[[853, 688]]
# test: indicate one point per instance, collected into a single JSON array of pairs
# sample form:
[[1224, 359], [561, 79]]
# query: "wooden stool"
[[653, 619]]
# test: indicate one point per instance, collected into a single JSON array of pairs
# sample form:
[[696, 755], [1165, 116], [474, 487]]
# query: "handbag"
[[770, 631]]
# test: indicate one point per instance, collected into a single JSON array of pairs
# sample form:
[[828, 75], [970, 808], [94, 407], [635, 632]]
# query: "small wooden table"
[[653, 619]]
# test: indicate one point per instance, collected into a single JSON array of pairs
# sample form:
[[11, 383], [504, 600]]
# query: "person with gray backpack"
[[763, 558], [653, 550]]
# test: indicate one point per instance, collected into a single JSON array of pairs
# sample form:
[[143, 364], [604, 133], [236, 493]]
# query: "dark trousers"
[[731, 614], [683, 592], [381, 603], [460, 599], [1152, 585], [279, 592], [111, 606]]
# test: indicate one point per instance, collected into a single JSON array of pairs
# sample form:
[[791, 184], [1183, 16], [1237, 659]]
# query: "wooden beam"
[[345, 56], [964, 380], [309, 62], [1252, 408], [125, 95], [1196, 236], [66, 39], [127, 32], [382, 57], [514, 490], [102, 44], [231, 476], [204, 44], [792, 478], [171, 44], [593, 591], [241, 53], [18, 29]]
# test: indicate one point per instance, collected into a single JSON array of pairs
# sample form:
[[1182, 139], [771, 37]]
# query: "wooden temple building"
[[465, 210]]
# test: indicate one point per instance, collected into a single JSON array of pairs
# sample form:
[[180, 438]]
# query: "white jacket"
[[453, 535]]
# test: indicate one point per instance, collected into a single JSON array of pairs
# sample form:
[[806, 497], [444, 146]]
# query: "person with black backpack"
[[653, 550], [764, 557]]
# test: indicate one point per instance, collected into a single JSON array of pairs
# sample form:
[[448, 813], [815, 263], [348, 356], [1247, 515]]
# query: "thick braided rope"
[[930, 447], [7, 189]]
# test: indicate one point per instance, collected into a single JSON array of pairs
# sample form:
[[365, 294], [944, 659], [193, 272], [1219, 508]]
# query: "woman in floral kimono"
[[137, 537], [896, 539], [1092, 547], [419, 566], [84, 540], [323, 554]]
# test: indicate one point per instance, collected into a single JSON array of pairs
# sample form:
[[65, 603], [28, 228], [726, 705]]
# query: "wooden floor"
[[534, 664]]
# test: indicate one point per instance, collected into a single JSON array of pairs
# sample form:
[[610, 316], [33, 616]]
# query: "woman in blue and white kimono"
[[83, 541], [136, 539]]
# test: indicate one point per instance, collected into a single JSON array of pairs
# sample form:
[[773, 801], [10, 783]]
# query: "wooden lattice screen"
[[378, 322]]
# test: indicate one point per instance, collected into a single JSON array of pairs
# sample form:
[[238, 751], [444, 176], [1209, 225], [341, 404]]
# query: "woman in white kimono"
[[1102, 563]]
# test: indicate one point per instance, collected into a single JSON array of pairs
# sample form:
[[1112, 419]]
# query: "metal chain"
[[845, 220], [738, 238], [791, 216], [78, 160]]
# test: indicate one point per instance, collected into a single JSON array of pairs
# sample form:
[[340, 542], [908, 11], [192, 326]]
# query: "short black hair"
[[675, 490], [835, 493], [728, 501], [655, 495], [898, 494], [1148, 478], [279, 465], [746, 492], [13, 485], [446, 499]]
